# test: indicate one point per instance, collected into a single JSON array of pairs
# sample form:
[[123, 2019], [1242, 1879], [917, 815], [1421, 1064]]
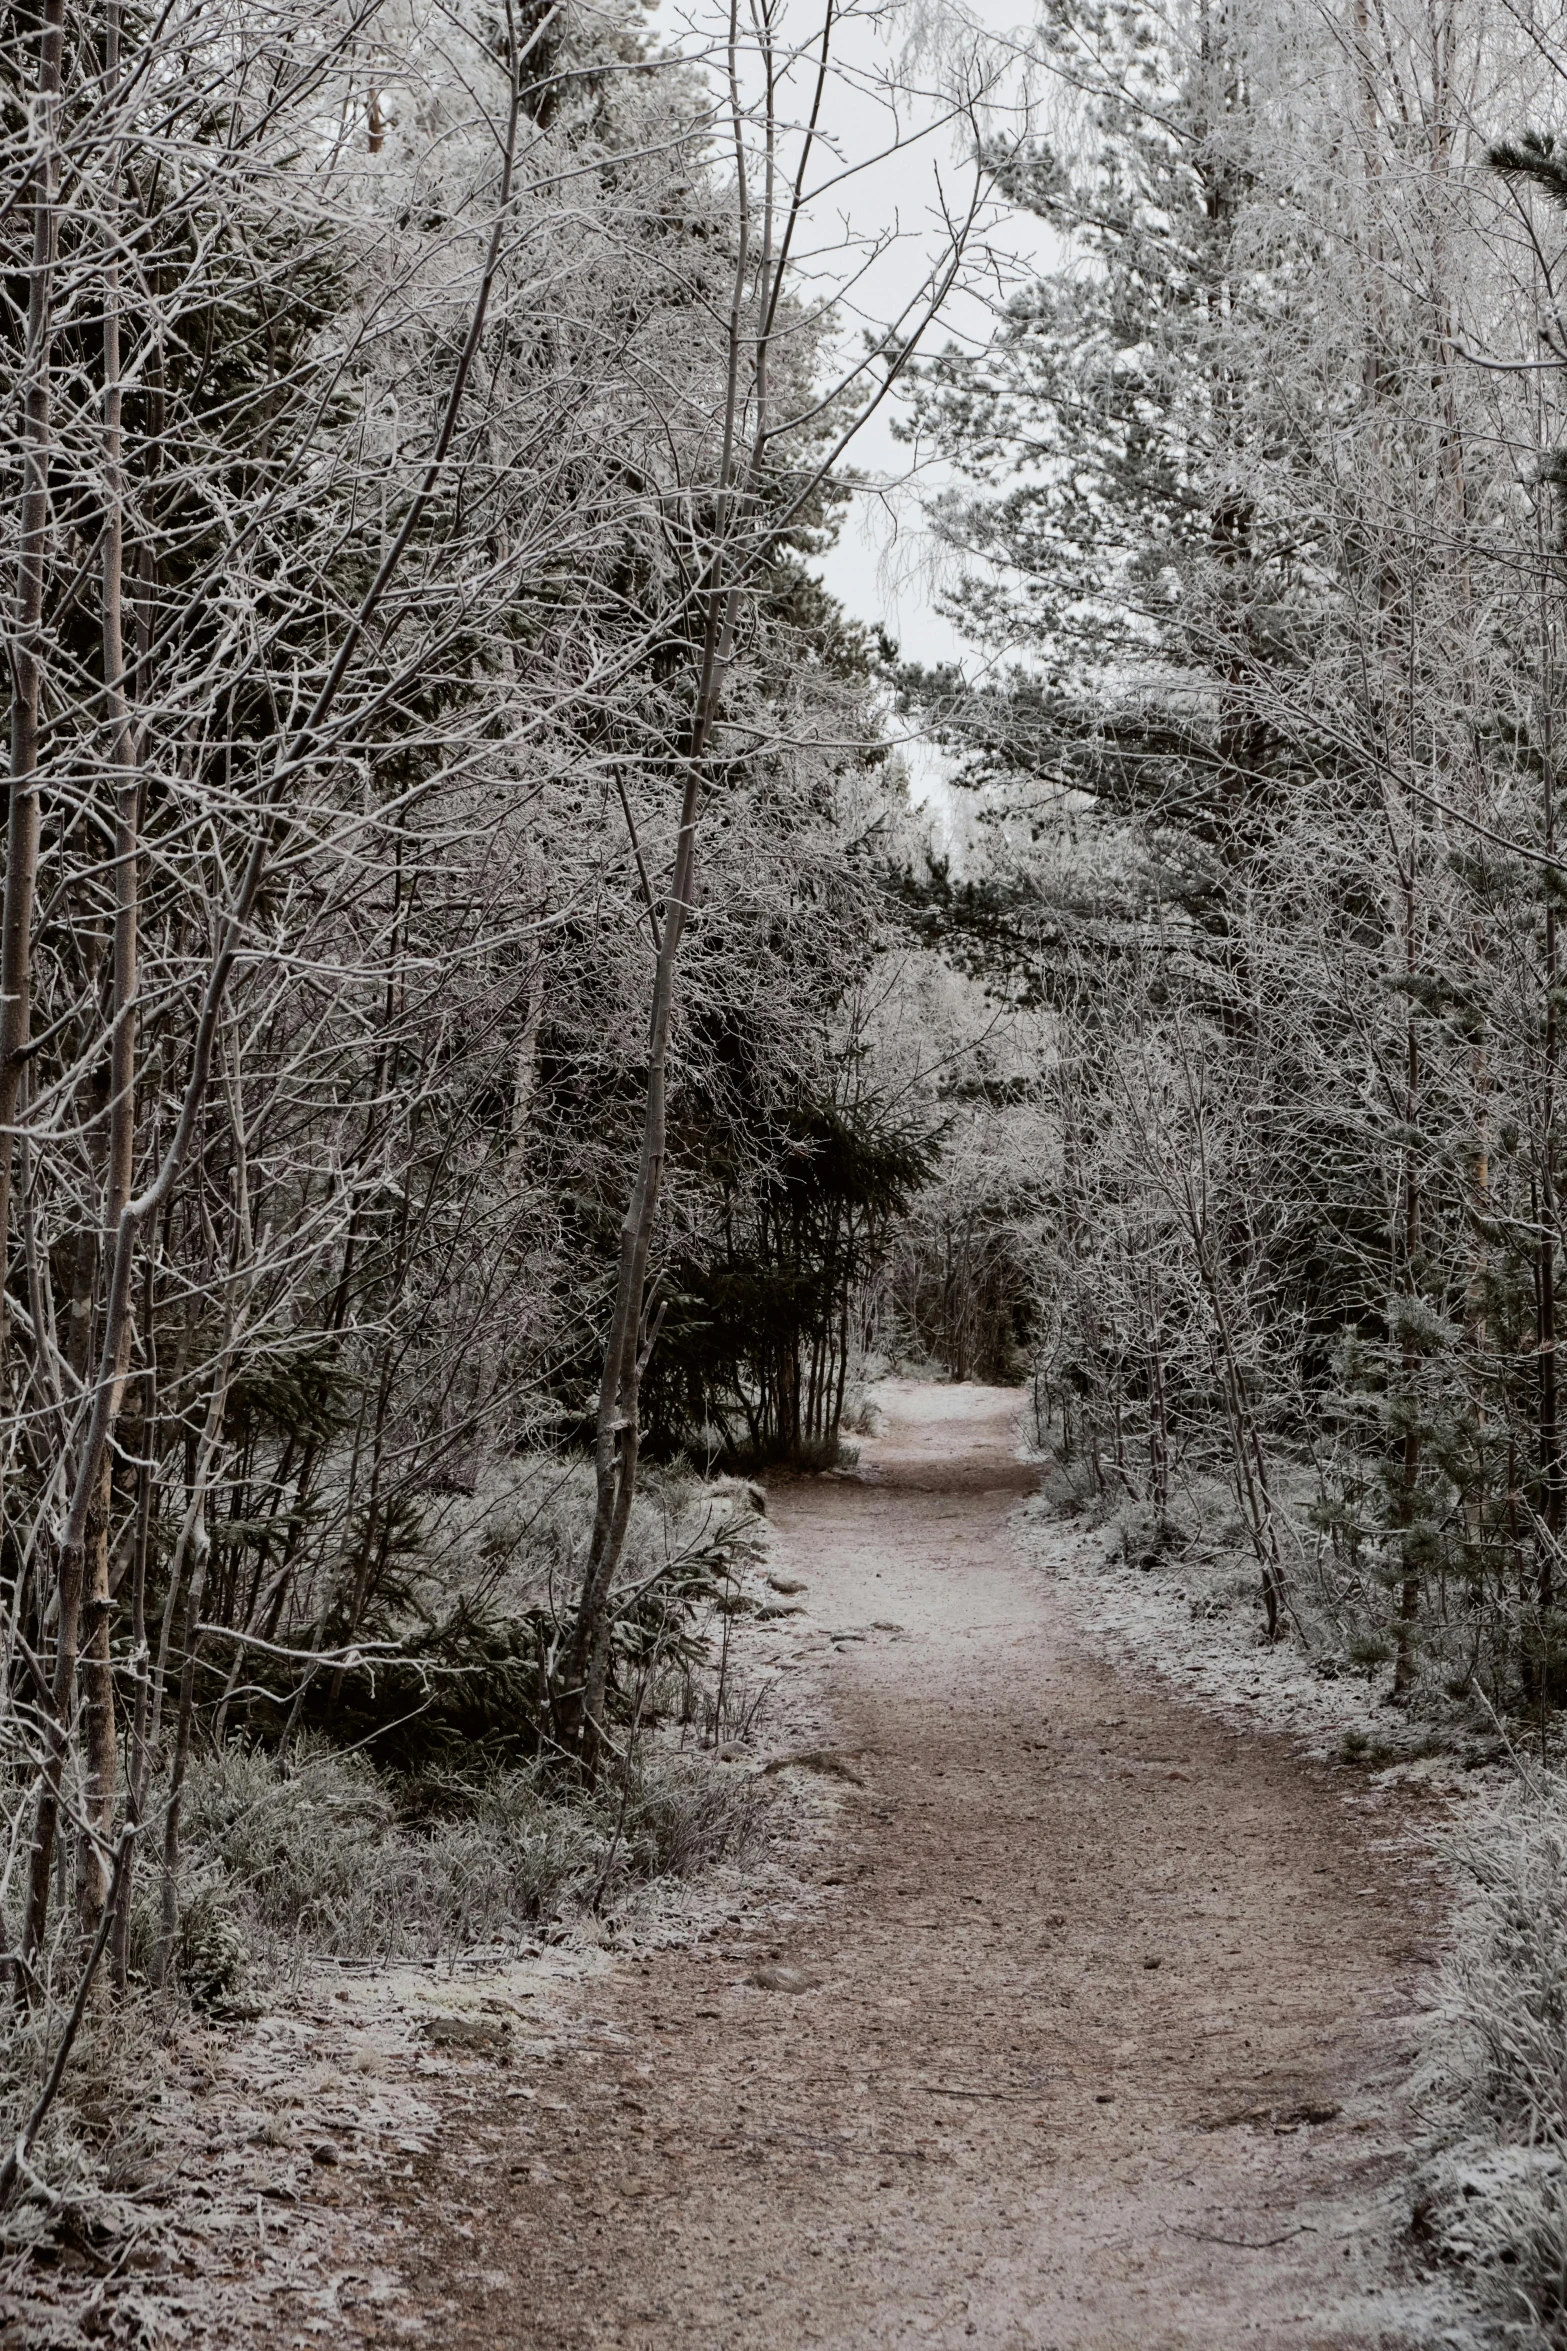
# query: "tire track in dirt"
[[1112, 2011]]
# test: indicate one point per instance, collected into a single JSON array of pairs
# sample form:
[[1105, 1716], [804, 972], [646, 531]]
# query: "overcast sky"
[[881, 568]]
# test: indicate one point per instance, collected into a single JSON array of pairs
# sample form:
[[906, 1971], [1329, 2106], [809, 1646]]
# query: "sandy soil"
[[1108, 2017]]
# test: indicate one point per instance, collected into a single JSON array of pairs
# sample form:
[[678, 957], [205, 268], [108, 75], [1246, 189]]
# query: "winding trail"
[[1111, 2013]]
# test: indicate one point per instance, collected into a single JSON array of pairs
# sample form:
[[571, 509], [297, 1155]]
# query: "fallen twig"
[[1245, 2244], [945, 2090]]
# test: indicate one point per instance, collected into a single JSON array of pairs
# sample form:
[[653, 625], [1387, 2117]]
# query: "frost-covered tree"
[[419, 445], [1256, 500]]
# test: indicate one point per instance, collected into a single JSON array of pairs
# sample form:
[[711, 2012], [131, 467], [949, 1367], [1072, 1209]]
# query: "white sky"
[[881, 569], [895, 153]]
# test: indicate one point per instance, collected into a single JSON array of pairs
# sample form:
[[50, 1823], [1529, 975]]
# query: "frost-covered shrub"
[[1142, 1538], [1496, 2200], [1072, 1487], [333, 1856], [462, 1661], [684, 1815], [98, 2135]]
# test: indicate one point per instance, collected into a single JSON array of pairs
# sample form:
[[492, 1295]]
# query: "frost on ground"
[[267, 2140], [250, 2175], [1197, 1622], [282, 2155]]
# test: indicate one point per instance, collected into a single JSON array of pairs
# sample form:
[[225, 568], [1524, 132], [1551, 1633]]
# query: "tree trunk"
[[1551, 1491], [99, 1675], [27, 656], [618, 1432]]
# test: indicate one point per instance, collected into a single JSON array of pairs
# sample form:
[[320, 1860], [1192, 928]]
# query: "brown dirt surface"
[[1092, 2026]]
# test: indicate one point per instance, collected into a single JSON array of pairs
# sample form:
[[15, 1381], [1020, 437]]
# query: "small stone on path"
[[784, 1979]]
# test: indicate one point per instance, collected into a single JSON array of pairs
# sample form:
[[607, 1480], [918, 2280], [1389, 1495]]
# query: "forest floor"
[[1075, 2017], [1107, 2021]]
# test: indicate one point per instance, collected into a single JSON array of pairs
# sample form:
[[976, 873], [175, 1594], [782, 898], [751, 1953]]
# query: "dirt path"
[[1112, 2012]]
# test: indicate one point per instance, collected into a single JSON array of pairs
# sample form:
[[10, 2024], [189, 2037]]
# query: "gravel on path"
[[1096, 2036]]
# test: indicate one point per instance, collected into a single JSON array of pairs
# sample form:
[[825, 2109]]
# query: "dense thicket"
[[1258, 510], [418, 452]]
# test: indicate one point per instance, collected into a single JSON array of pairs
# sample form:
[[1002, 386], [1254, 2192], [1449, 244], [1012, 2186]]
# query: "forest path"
[[1111, 2009]]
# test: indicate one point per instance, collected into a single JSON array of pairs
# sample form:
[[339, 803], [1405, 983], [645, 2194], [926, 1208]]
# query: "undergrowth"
[[1494, 2201], [327, 1855], [1437, 1700], [324, 1857], [418, 1812]]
